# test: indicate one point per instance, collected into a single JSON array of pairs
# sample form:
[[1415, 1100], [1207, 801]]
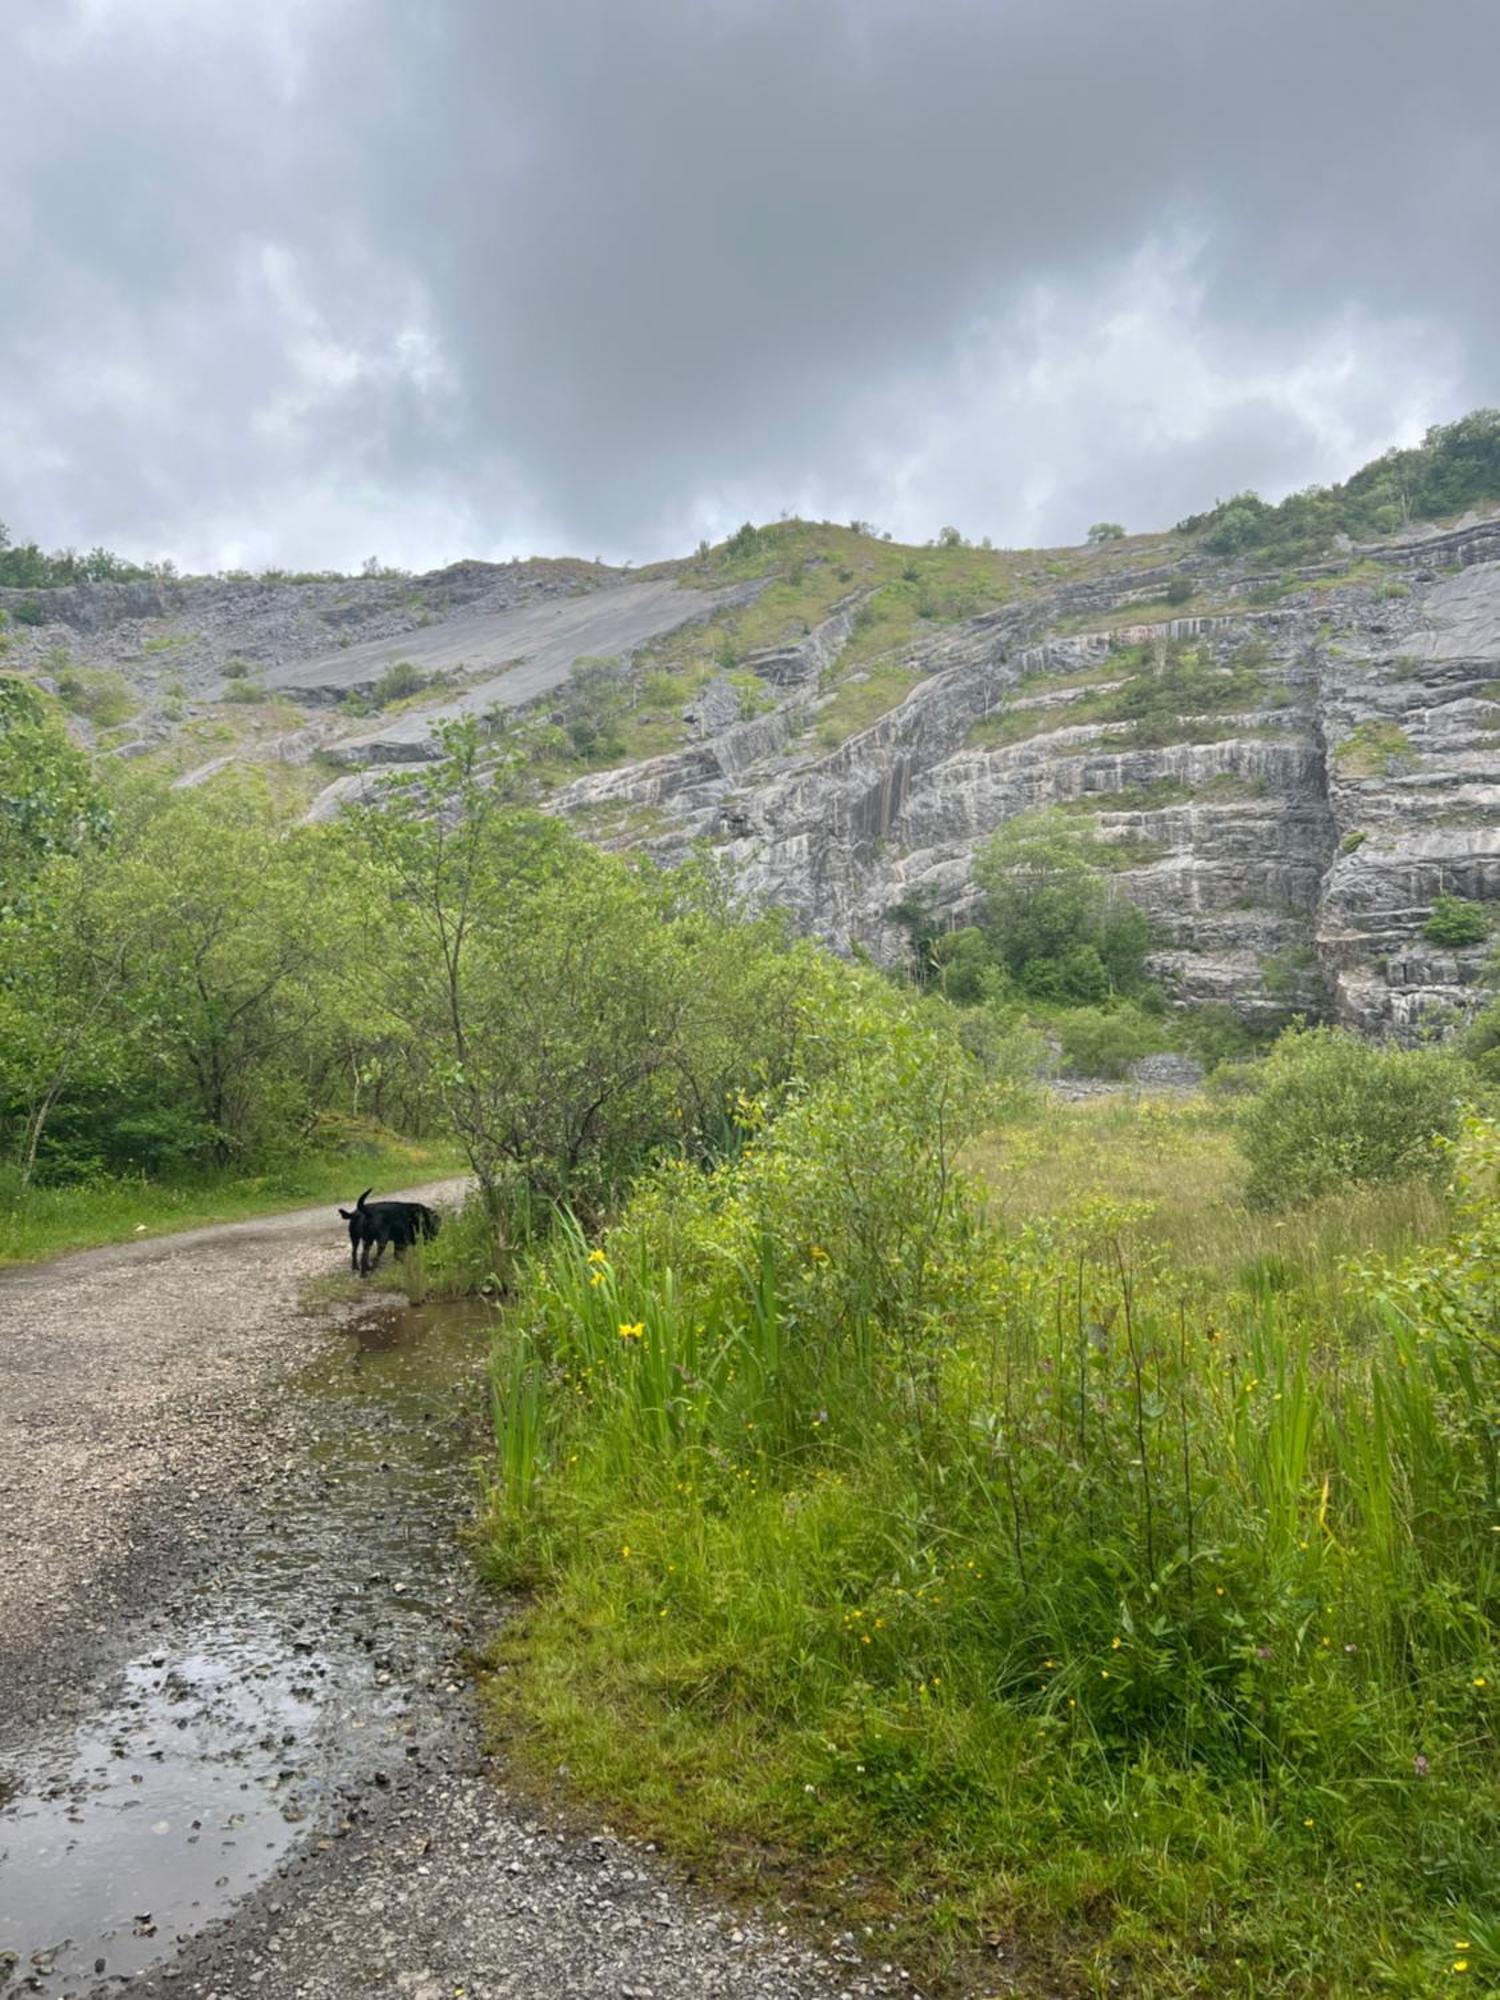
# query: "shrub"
[[397, 682], [236, 670], [1455, 922], [1179, 590], [1374, 749], [29, 612], [1105, 1041], [1106, 531], [101, 696], [1333, 1111]]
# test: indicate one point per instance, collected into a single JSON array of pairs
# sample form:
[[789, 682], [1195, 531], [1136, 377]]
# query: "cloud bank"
[[332, 277]]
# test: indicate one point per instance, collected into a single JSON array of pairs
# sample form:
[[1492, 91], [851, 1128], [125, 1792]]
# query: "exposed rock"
[[1298, 845]]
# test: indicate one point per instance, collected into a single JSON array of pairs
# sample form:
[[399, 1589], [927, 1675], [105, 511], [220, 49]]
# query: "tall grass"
[[1056, 1584]]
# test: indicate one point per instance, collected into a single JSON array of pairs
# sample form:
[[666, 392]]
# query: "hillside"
[[1291, 763]]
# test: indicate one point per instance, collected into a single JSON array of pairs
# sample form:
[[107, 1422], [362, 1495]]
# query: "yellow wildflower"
[[597, 1257], [636, 1332]]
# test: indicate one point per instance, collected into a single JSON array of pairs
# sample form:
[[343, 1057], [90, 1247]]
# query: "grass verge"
[[47, 1221]]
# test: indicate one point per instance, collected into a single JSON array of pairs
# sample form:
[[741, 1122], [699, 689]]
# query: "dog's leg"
[[379, 1253]]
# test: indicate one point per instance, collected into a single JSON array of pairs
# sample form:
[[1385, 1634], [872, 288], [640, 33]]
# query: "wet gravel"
[[240, 1751]]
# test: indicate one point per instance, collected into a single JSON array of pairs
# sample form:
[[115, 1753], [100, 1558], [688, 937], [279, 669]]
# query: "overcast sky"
[[306, 280]]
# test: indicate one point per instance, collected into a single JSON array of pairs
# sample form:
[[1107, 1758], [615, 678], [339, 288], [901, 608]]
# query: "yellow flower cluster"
[[635, 1332]]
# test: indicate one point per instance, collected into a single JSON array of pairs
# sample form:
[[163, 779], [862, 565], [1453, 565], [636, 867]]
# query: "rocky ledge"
[[1289, 778]]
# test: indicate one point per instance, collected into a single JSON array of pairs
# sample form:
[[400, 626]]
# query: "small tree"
[[1106, 531], [1455, 922]]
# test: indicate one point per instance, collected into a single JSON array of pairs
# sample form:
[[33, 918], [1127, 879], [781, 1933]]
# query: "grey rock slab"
[[517, 655]]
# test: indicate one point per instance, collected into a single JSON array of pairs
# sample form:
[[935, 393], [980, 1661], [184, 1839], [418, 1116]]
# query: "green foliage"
[[1180, 590], [1333, 1111], [863, 1527], [575, 1016], [23, 566], [1106, 531], [1455, 467], [399, 681], [1455, 923], [1373, 749], [236, 670], [1050, 920], [1185, 682], [1293, 976], [50, 803], [100, 695], [1105, 1041]]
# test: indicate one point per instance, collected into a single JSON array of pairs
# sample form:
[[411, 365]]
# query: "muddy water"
[[314, 1665]]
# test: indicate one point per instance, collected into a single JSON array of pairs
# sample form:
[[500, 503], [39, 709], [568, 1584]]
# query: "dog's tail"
[[364, 1197]]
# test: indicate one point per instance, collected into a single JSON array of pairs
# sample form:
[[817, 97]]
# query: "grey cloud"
[[605, 276]]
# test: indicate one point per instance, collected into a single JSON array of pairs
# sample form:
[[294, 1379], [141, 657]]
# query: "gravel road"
[[239, 1751]]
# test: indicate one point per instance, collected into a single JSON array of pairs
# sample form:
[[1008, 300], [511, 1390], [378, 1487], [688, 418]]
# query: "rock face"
[[192, 628], [1288, 834]]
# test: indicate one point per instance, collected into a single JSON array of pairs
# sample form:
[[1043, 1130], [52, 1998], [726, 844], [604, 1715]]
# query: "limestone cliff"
[[1287, 806]]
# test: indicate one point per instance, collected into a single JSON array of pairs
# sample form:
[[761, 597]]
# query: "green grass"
[[46, 1221], [856, 705], [1374, 749], [1105, 1575], [99, 694]]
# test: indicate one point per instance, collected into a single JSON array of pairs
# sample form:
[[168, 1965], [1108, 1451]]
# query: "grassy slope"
[[810, 569], [45, 1222]]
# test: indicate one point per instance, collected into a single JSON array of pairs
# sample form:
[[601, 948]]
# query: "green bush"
[[1180, 590], [1455, 922], [98, 694], [1333, 1111], [398, 682], [1105, 1041]]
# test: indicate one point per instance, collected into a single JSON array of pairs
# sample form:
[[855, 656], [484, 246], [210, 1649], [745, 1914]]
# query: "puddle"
[[313, 1670]]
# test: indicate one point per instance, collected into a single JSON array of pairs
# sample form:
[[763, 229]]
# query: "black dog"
[[373, 1224]]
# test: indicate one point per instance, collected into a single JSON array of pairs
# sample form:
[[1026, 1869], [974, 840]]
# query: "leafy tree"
[[50, 802], [227, 921], [1106, 531], [576, 1014], [1050, 918], [1454, 467]]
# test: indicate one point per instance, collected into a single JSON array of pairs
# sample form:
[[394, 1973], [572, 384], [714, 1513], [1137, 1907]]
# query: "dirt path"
[[239, 1753]]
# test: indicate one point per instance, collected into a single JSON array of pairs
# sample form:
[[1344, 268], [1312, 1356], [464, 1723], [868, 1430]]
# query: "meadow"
[[1019, 1551]]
